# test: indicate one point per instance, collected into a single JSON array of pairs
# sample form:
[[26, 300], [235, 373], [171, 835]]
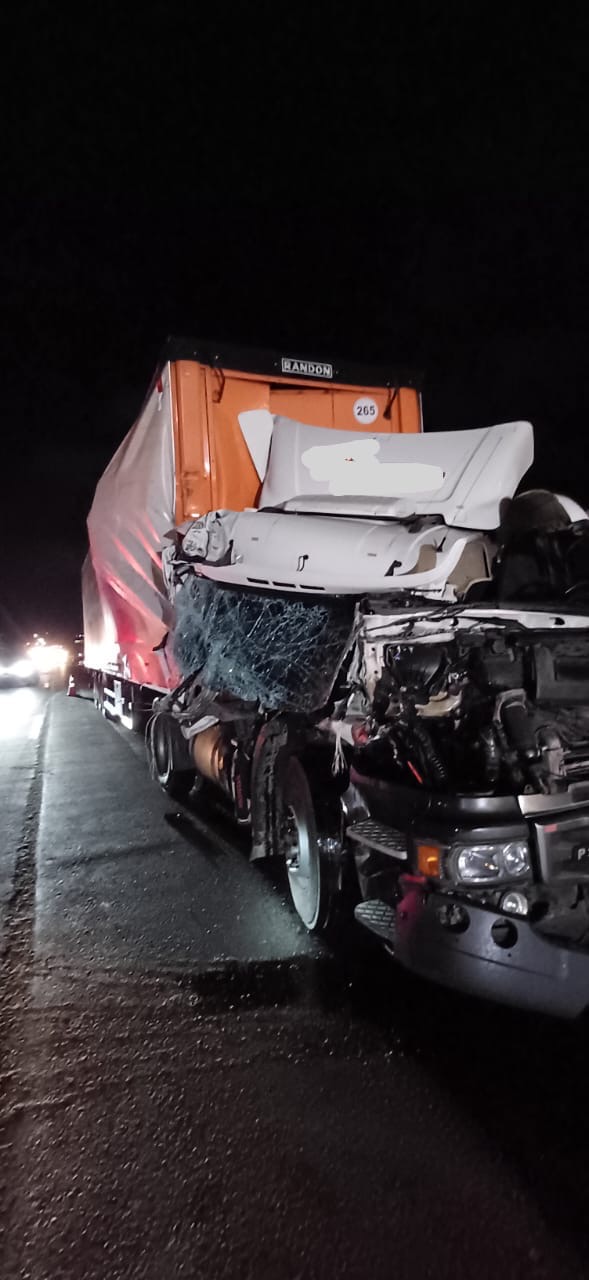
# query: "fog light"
[[514, 903]]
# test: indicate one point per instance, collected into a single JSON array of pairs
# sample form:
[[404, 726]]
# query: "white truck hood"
[[287, 551], [463, 477]]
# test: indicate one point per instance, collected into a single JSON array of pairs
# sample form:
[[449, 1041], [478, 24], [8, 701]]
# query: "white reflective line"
[[36, 726]]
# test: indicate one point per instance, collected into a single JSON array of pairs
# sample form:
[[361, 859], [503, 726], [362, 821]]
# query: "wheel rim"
[[302, 865]]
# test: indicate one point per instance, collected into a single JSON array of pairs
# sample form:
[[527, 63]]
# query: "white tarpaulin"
[[126, 608]]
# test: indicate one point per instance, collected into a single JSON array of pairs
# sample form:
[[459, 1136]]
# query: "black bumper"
[[525, 969]]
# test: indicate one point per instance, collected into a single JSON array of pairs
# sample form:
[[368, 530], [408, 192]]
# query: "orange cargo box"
[[214, 469]]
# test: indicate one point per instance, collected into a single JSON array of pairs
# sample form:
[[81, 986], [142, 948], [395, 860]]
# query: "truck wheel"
[[309, 875], [167, 751]]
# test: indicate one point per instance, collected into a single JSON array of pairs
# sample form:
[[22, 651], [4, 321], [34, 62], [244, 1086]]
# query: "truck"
[[373, 642]]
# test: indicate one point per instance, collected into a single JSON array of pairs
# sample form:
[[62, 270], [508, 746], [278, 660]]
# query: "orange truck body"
[[186, 455]]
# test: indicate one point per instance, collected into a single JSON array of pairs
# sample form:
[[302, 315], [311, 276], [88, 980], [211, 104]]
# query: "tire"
[[310, 875], [166, 749]]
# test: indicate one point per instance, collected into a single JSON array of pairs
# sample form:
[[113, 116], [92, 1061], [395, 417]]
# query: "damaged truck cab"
[[371, 645]]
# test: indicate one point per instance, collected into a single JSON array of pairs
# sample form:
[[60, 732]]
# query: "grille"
[[563, 848]]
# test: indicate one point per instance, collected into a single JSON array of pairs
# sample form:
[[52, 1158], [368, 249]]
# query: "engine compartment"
[[490, 709]]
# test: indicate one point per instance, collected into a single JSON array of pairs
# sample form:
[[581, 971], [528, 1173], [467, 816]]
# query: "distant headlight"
[[490, 863], [49, 657], [21, 669]]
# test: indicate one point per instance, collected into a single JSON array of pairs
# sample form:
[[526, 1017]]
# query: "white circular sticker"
[[365, 409]]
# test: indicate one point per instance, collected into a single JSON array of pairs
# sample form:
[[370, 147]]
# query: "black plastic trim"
[[398, 805]]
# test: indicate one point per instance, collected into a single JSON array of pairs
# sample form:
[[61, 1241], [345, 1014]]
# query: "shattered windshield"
[[282, 652]]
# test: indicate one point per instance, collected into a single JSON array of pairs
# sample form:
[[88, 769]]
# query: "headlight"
[[490, 863], [49, 657], [22, 669]]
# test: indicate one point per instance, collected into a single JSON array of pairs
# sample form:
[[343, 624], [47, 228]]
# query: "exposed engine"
[[490, 710]]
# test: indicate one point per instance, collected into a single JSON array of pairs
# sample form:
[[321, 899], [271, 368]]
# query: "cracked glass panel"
[[281, 651]]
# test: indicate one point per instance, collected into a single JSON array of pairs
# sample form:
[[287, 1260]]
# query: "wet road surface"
[[191, 1086]]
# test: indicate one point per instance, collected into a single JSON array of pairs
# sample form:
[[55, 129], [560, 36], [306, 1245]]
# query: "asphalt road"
[[193, 1087]]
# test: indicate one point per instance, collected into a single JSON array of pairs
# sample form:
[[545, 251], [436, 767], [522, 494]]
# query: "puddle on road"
[[269, 983], [353, 980]]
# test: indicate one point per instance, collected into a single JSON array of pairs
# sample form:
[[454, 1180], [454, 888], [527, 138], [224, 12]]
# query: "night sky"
[[411, 192]]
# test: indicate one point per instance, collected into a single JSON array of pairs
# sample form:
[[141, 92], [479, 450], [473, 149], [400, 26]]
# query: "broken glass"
[[280, 651]]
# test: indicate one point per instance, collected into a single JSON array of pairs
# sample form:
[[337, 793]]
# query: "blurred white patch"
[[36, 726], [17, 713], [355, 468]]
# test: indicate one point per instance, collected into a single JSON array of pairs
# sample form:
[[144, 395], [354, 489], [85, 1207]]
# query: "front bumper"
[[525, 970]]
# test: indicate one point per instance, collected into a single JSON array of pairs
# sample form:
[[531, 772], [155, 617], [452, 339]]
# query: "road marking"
[[36, 725]]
